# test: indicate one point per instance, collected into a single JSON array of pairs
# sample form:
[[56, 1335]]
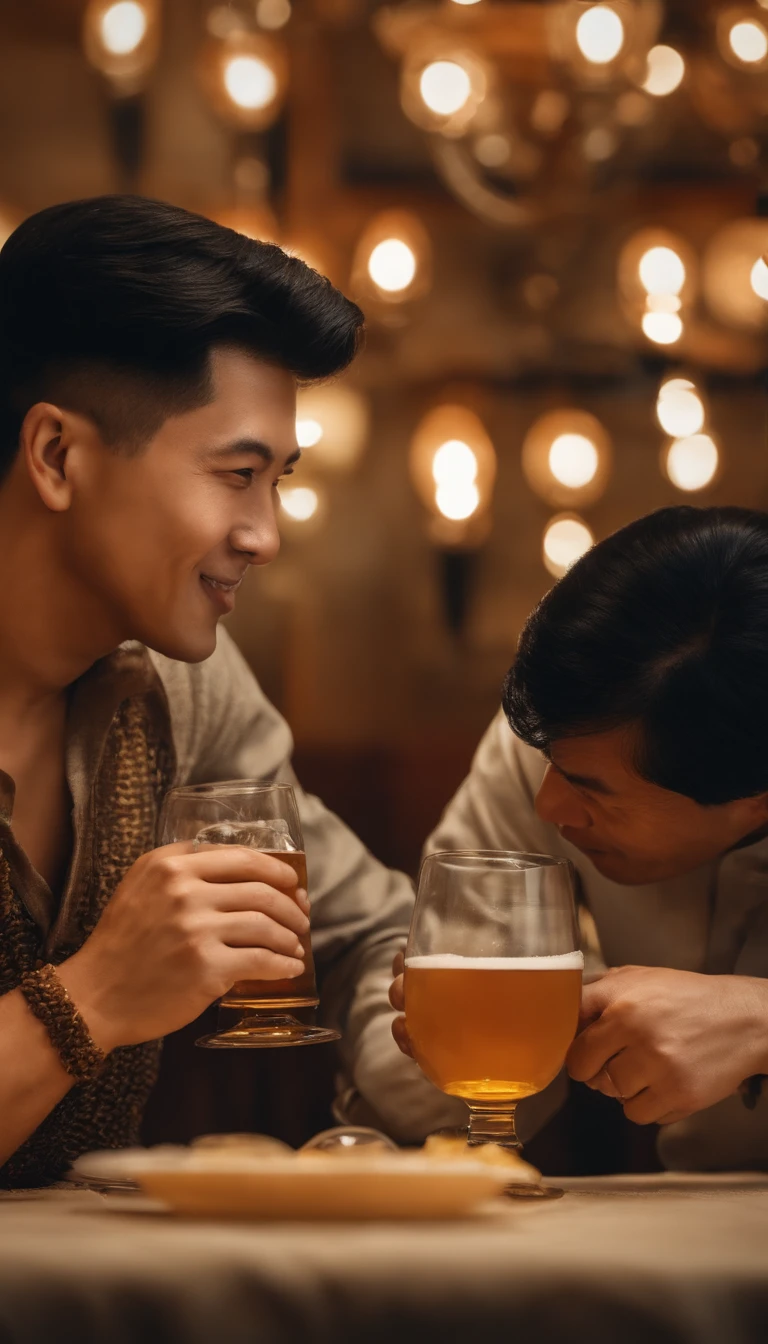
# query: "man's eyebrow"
[[256, 447], [586, 782]]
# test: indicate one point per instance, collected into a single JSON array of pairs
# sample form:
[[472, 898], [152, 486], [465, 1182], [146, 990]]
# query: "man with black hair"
[[634, 741], [148, 369]]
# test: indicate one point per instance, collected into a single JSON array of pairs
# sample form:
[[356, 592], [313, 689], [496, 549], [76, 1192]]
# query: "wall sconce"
[[680, 408], [453, 469], [121, 39], [691, 463], [393, 261], [567, 457], [245, 78], [657, 281]]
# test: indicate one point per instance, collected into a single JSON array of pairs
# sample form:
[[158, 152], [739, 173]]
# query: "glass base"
[[262, 1031], [505, 1139]]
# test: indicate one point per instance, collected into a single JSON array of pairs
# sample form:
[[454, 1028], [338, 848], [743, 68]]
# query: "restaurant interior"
[[553, 216]]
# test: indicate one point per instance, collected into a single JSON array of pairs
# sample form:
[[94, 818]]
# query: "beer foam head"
[[451, 961]]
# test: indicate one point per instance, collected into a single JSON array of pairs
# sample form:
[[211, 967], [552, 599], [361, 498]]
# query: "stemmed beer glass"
[[254, 1013], [493, 980]]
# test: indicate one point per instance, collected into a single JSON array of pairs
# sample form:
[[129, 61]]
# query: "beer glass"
[[493, 980], [261, 1013]]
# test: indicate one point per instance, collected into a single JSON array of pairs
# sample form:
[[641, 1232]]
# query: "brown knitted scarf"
[[106, 1113]]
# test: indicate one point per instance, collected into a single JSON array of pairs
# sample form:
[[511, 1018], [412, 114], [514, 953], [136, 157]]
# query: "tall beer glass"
[[493, 980], [262, 1013]]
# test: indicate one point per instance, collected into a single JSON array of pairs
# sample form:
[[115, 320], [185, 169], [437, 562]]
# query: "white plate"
[[317, 1187]]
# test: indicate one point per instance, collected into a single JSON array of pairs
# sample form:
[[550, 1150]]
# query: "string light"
[[600, 34], [300, 502], [665, 71], [691, 463], [679, 408], [748, 41], [566, 539], [454, 468]]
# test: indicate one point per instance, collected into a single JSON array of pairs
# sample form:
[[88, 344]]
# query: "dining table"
[[668, 1258]]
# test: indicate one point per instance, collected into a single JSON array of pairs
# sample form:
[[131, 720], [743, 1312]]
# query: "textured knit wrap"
[[135, 770]]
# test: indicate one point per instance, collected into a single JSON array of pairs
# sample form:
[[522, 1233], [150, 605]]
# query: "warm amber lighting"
[[392, 265], [691, 463], [748, 41], [662, 328], [300, 502], [453, 465], [661, 271], [758, 278], [393, 259], [566, 539], [273, 14], [573, 460], [245, 76], [665, 71], [566, 457], [123, 27], [445, 87], [600, 34], [332, 424], [679, 408]]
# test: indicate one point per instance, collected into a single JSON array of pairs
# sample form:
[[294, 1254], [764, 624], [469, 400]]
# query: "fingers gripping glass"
[[254, 1013], [493, 981]]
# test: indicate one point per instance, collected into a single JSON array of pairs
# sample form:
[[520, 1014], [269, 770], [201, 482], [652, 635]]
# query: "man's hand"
[[397, 999], [668, 1043], [181, 928]]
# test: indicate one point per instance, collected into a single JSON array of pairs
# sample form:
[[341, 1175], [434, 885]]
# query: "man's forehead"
[[597, 760]]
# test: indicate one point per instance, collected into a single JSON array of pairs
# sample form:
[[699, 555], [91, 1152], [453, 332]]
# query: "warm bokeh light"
[[300, 502], [466, 2], [566, 539], [758, 278], [661, 271], [573, 460], [250, 82], [392, 265], [600, 34], [748, 41], [679, 408], [123, 27], [665, 71], [692, 463], [273, 14], [662, 328], [453, 467], [308, 432], [445, 87]]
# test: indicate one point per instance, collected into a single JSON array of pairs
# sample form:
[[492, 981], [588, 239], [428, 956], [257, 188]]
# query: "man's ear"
[[48, 435]]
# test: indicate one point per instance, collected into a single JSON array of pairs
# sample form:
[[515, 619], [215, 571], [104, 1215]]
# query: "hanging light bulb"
[[566, 539], [661, 271], [245, 77], [121, 39], [656, 282], [444, 93], [692, 463], [453, 465], [664, 72], [600, 34], [566, 457], [748, 41], [393, 258], [679, 408]]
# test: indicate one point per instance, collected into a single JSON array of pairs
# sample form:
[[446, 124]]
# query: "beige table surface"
[[663, 1259]]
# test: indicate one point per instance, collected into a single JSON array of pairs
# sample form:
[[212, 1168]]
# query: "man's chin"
[[191, 647]]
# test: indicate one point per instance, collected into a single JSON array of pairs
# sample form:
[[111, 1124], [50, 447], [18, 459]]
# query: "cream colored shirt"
[[712, 920]]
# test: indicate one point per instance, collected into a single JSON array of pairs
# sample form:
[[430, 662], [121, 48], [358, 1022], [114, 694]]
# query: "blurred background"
[[553, 215]]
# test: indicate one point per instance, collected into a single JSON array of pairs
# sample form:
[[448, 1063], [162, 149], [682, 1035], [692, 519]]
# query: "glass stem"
[[493, 1122]]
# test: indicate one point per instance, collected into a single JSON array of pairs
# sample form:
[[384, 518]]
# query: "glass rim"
[[228, 786], [536, 860]]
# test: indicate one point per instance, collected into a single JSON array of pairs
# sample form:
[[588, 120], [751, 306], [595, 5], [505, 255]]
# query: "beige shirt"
[[712, 920], [223, 727]]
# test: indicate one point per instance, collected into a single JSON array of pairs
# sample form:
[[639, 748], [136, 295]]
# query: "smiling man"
[[148, 369], [634, 741]]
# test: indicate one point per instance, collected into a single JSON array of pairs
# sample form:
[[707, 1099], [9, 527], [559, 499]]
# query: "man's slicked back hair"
[[112, 305], [662, 627]]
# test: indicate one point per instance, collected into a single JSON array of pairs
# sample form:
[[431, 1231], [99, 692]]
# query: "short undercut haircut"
[[661, 628], [110, 307]]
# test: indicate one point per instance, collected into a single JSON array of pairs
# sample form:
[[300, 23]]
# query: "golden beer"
[[299, 993], [492, 1029]]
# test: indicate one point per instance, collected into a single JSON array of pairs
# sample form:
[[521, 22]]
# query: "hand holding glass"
[[492, 980], [263, 1013]]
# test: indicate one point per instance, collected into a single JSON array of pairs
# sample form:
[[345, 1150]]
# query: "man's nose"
[[259, 540], [558, 802]]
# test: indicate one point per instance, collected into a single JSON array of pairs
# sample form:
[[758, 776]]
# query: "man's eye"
[[246, 473]]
